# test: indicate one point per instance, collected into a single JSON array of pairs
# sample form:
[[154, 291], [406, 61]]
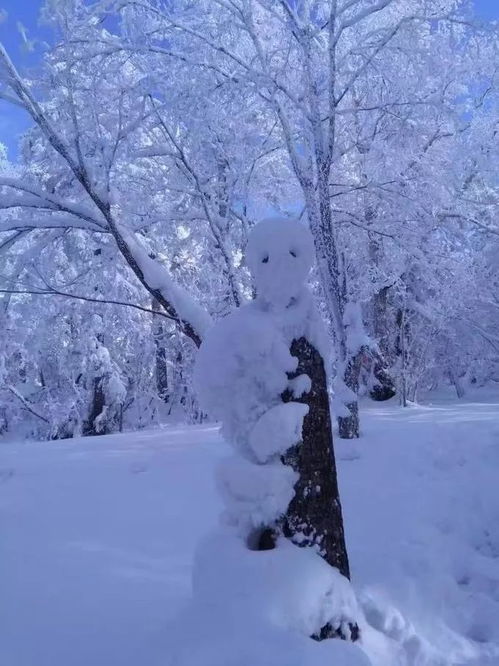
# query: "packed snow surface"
[[99, 537]]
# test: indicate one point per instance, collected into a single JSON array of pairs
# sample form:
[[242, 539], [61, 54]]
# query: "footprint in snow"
[[138, 468], [6, 474]]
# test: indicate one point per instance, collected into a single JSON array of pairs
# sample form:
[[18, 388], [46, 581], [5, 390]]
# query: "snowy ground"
[[97, 538]]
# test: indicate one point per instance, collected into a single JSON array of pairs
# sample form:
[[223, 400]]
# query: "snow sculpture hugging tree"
[[261, 372]]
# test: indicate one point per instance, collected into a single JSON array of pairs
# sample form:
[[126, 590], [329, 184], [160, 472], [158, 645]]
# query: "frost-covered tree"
[[342, 79], [163, 132]]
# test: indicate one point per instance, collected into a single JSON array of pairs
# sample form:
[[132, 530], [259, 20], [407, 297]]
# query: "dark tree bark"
[[161, 361], [401, 350], [98, 400], [314, 516], [456, 382], [384, 386], [4, 424], [381, 327], [161, 369], [98, 404], [315, 511], [348, 426]]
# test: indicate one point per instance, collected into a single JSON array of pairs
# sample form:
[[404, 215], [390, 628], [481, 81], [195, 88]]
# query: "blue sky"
[[13, 121]]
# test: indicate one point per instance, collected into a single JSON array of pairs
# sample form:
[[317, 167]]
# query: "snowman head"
[[280, 254]]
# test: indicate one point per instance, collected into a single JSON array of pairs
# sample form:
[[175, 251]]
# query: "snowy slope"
[[97, 538]]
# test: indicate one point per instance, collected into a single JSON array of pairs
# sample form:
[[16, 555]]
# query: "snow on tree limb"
[[178, 304], [188, 313]]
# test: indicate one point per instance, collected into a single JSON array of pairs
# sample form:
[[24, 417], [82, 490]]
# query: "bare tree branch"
[[25, 403], [80, 297]]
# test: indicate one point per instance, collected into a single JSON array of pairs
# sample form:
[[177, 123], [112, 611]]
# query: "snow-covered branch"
[[150, 273]]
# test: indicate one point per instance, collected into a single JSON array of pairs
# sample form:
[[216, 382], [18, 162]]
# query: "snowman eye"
[[265, 260], [292, 253]]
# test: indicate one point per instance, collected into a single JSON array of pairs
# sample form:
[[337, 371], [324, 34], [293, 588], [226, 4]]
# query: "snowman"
[[260, 371]]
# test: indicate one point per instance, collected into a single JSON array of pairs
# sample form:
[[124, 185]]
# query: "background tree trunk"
[[96, 408], [160, 356], [348, 426]]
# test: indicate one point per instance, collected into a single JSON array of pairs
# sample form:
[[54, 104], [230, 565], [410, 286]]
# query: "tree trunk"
[[456, 381], [334, 280], [314, 516], [98, 404], [381, 327], [348, 426], [315, 511], [4, 424], [384, 387], [160, 357], [402, 354]]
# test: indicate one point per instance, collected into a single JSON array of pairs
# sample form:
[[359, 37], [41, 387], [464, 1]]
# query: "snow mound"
[[290, 587], [208, 636], [258, 608]]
